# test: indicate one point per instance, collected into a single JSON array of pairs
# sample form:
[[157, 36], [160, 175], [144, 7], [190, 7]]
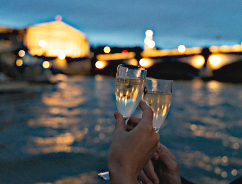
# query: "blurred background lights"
[[224, 174], [41, 43], [19, 62], [198, 61], [21, 53], [234, 172], [151, 44], [214, 59], [101, 64], [46, 64], [149, 33], [181, 48], [147, 40], [145, 62], [107, 49], [62, 55]]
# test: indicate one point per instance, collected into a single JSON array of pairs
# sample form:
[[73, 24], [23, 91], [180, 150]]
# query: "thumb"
[[120, 123]]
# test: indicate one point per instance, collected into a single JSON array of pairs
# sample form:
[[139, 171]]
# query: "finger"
[[133, 121], [155, 157], [167, 152], [150, 172], [129, 128], [165, 155], [147, 115], [120, 123], [142, 177]]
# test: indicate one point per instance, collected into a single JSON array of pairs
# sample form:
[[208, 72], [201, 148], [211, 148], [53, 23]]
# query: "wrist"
[[120, 177]]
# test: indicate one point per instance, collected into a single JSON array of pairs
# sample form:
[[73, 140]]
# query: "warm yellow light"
[[21, 53], [41, 43], [181, 48], [198, 61], [61, 55], [149, 33], [101, 64], [145, 62], [225, 48], [214, 49], [19, 62], [151, 44], [107, 49], [215, 59], [46, 64], [133, 62], [115, 56], [147, 40]]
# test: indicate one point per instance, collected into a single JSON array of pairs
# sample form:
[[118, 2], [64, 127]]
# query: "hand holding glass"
[[129, 88]]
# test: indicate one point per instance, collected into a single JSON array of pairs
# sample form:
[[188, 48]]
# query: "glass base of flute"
[[104, 175]]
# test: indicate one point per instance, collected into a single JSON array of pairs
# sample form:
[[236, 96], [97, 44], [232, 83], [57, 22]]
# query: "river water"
[[61, 133]]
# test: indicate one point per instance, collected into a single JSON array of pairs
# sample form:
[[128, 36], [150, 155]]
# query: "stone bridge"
[[222, 63]]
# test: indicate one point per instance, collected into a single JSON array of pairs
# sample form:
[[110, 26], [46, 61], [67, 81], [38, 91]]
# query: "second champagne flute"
[[157, 95]]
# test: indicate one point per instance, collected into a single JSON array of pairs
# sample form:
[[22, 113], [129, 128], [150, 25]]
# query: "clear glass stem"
[[126, 120]]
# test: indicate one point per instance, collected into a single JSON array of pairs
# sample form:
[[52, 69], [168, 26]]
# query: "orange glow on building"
[[225, 49], [115, 56], [171, 52], [52, 38]]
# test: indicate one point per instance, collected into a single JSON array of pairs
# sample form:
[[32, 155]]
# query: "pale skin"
[[162, 168], [130, 151]]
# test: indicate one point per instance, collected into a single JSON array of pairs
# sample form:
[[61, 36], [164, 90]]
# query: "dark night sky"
[[123, 23]]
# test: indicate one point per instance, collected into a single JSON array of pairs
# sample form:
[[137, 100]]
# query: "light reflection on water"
[[64, 131], [207, 117]]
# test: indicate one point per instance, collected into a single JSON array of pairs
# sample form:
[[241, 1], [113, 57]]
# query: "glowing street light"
[[151, 44], [21, 53], [46, 64], [107, 49], [19, 62], [149, 33], [181, 48]]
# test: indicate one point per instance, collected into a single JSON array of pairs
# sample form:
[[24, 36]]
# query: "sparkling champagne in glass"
[[129, 87], [157, 95]]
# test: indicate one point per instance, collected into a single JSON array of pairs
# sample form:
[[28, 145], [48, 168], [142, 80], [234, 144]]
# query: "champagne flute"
[[157, 95], [129, 88]]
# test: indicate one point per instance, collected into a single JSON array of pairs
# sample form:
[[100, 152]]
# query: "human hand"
[[130, 151], [162, 168]]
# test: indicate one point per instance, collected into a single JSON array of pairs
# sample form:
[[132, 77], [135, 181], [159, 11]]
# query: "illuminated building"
[[56, 39]]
